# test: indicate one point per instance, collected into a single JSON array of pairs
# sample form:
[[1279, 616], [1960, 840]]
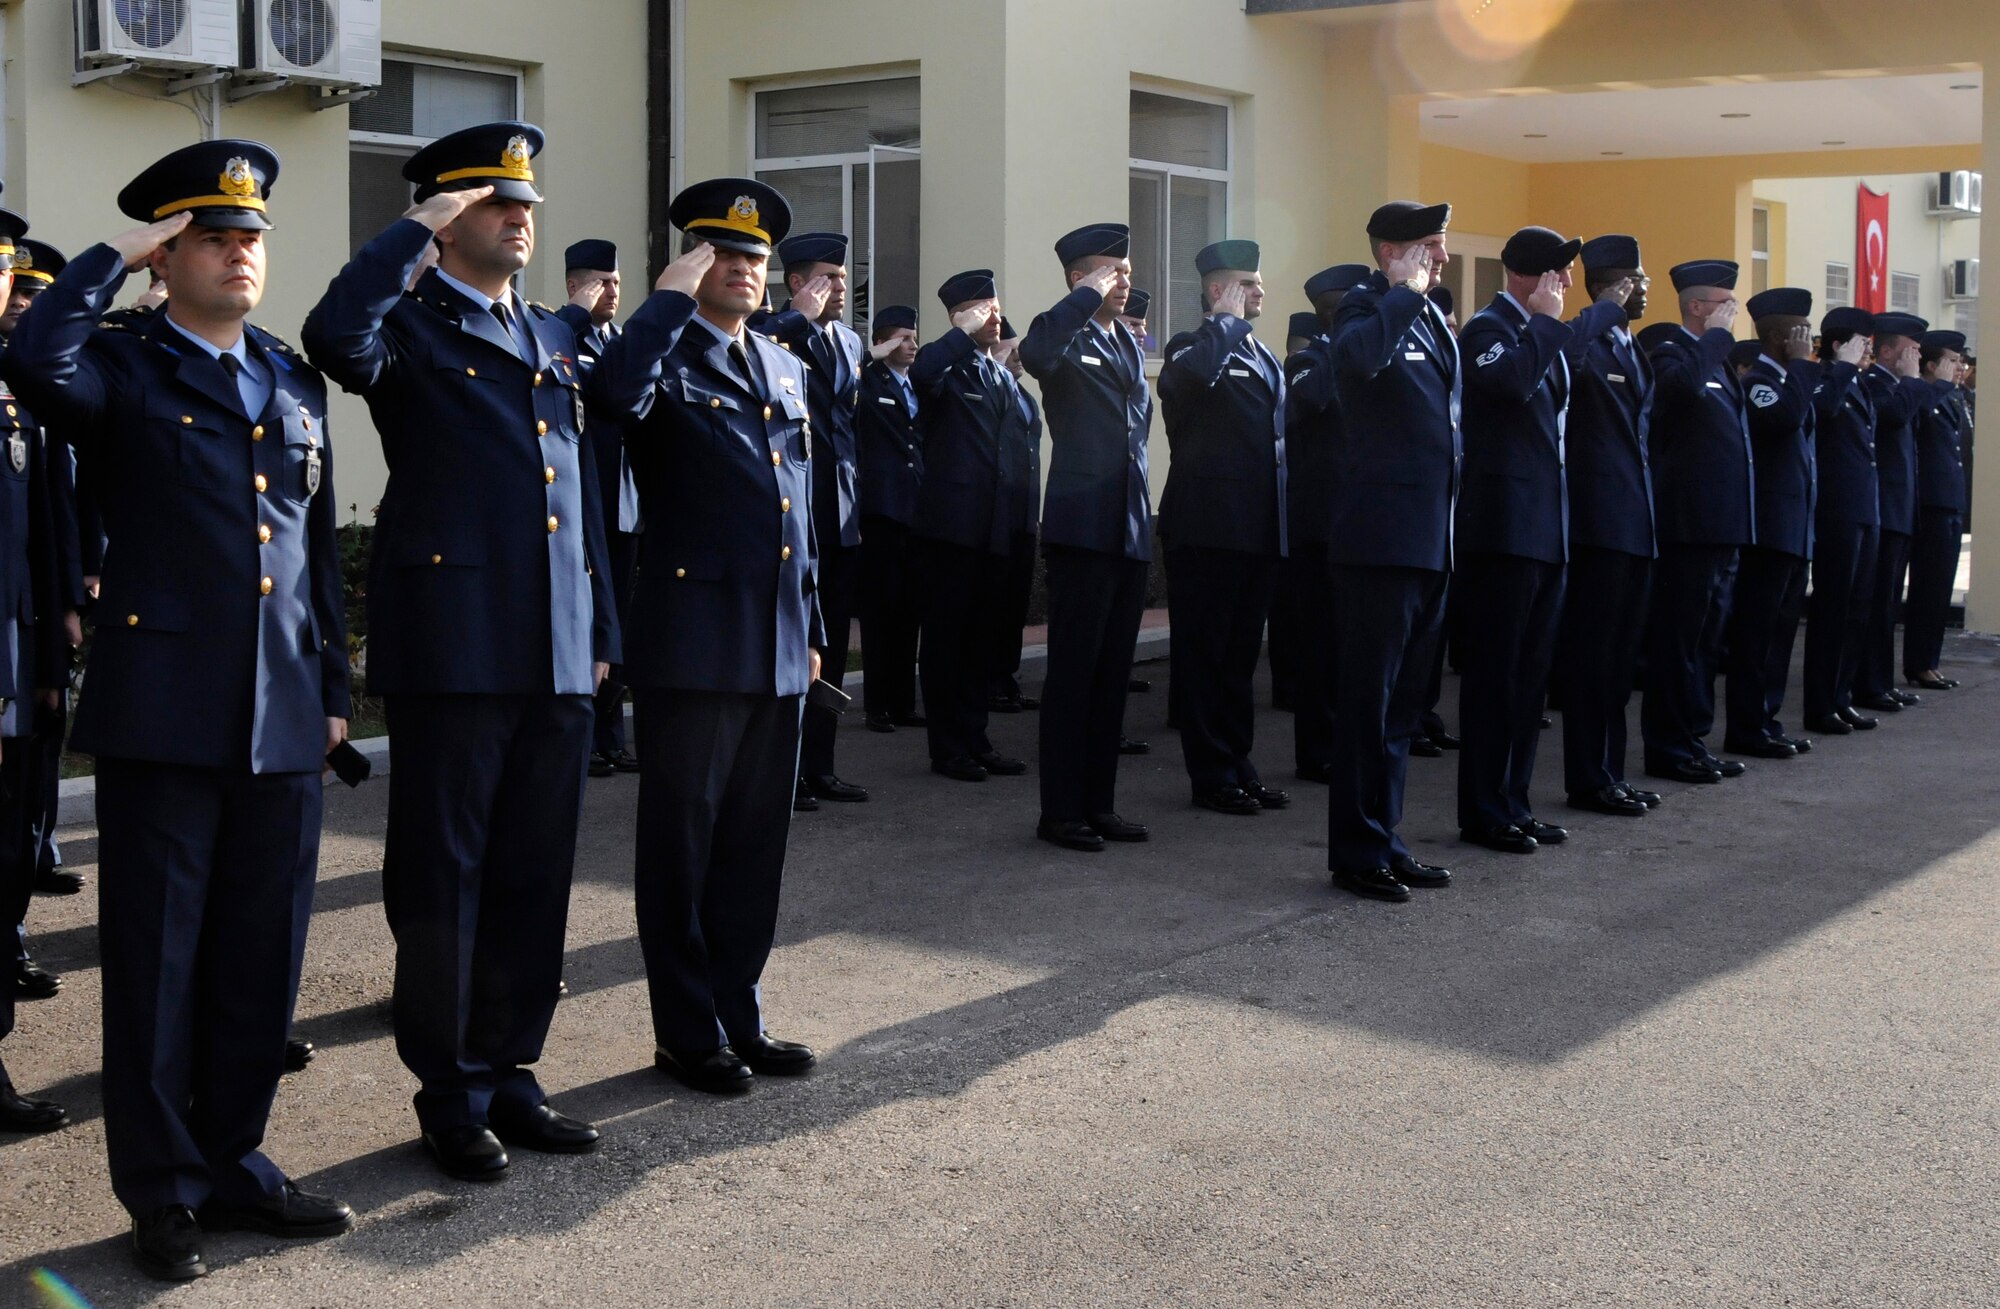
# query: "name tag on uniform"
[[1715, 386], [1092, 360], [1414, 354], [886, 400], [1614, 377], [973, 395], [1239, 372]]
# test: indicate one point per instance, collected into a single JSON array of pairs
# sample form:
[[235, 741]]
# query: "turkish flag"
[[1871, 250]]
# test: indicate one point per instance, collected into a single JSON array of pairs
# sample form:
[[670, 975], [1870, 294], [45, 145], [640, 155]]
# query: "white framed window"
[[1839, 285], [1905, 291], [422, 98], [848, 156], [1181, 159], [1760, 248]]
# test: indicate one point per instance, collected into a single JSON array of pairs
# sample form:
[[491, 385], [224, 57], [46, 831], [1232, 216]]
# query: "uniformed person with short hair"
[[726, 633], [491, 624], [889, 441], [1021, 506], [218, 683], [1942, 429], [1899, 394], [1847, 518]]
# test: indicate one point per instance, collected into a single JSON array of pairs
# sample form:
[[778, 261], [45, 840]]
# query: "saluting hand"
[[136, 245], [1233, 298], [973, 318], [685, 273], [1852, 351], [588, 293], [885, 347], [1100, 280], [1411, 267], [811, 298], [1547, 297], [438, 212], [1617, 293], [1798, 342]]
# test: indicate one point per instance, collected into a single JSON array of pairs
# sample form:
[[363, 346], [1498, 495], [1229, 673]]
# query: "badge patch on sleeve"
[[1495, 352], [1763, 395]]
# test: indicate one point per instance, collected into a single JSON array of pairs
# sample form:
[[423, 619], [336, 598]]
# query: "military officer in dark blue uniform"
[[1138, 304], [1312, 437], [962, 535], [1097, 532], [591, 278], [1704, 504], [1771, 576], [1897, 394], [1021, 494], [1611, 546], [1847, 519], [491, 623], [1222, 521], [1513, 530], [890, 442], [811, 327], [1942, 427], [218, 683], [1435, 738], [1395, 482], [726, 630]]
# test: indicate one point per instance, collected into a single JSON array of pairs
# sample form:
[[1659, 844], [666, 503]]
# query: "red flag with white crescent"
[[1871, 250]]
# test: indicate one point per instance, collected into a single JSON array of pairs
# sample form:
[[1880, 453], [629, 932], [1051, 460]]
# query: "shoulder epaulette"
[[274, 342]]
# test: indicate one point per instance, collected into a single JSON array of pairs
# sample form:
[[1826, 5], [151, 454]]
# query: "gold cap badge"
[[744, 210], [515, 156], [236, 179]]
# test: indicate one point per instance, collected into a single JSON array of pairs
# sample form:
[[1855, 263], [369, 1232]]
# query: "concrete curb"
[[76, 800]]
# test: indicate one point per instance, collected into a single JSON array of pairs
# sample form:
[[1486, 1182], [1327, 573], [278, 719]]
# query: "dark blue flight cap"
[[894, 318], [1239, 255], [598, 256], [36, 261], [1718, 273], [1408, 220], [1895, 324], [1533, 251], [813, 248], [1339, 278], [1741, 355], [733, 213], [1112, 239], [12, 228], [1306, 325], [1007, 332], [1791, 300], [1846, 320], [974, 285], [1649, 338], [499, 155], [1441, 297], [220, 183], [1943, 341], [1137, 302], [1611, 252]]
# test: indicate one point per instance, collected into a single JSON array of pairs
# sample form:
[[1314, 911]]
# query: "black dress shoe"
[[1831, 725], [1610, 800], [1372, 884], [1139, 684], [1410, 872], [34, 982], [1028, 702], [20, 1114], [880, 723], [1685, 770], [1507, 840], [912, 720], [1423, 747], [57, 881], [1650, 799], [600, 766], [770, 1057], [959, 768], [1904, 698], [1727, 767], [830, 787], [1229, 800], [1932, 682], [1544, 833], [543, 1129], [298, 1054], [1001, 765], [624, 761], [1004, 704], [470, 1152], [1799, 744], [1547, 722], [291, 1213], [1444, 740], [1069, 833], [1126, 745], [1313, 773], [718, 1072], [1761, 747], [167, 1244], [1113, 828], [1887, 704], [803, 800], [1269, 797], [1859, 722]]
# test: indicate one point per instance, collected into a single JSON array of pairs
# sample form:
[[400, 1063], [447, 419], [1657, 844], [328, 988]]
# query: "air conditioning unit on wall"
[[1961, 279], [163, 34], [1956, 195], [330, 43]]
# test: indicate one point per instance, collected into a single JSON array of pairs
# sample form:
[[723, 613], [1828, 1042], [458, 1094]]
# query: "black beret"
[[733, 213], [1792, 300], [1441, 297], [1113, 239], [599, 255], [1943, 341], [1894, 324], [1307, 325], [813, 248], [498, 155], [1611, 252], [974, 285], [1742, 354], [38, 261], [1718, 273], [1239, 255], [1533, 251], [1340, 277], [1408, 220], [894, 318], [220, 183], [1137, 303], [1846, 320]]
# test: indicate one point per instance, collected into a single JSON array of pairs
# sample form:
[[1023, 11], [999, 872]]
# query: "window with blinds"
[[1179, 201], [420, 100], [1905, 291], [1839, 285]]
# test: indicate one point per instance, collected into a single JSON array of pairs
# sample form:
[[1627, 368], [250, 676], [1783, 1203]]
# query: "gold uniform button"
[[261, 483], [541, 429], [549, 474], [785, 553], [774, 459], [538, 379], [553, 524], [472, 372], [11, 411], [187, 418], [767, 413], [313, 441], [257, 432], [264, 533], [680, 572], [715, 402], [437, 559], [785, 505], [131, 620], [307, 423], [265, 586]]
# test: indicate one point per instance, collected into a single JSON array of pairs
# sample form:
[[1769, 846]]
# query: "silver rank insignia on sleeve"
[[17, 451], [1763, 395]]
